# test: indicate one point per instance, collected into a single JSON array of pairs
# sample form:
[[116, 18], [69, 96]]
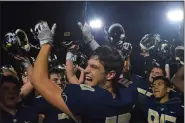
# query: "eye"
[[5, 88], [94, 66]]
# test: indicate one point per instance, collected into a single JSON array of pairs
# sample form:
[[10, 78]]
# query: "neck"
[[164, 99], [107, 86], [9, 110]]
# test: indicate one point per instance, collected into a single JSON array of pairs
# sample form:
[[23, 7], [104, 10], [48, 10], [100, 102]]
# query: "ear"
[[110, 75]]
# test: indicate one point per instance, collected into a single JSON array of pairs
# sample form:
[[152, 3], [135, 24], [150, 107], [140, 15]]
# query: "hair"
[[10, 79], [167, 82], [163, 71], [13, 73], [111, 60], [56, 70]]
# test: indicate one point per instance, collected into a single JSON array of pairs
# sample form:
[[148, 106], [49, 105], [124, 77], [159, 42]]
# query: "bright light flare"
[[175, 15], [96, 23]]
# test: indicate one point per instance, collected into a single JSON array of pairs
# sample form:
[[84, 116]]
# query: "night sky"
[[137, 18]]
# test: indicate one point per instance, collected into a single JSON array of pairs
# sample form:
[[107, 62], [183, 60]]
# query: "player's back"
[[97, 105]]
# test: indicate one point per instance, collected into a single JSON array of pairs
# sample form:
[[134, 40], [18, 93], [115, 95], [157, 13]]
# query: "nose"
[[154, 75], [87, 69], [11, 92]]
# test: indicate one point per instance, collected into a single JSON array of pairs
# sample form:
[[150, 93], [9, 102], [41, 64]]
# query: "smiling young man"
[[52, 114], [161, 107], [100, 100], [11, 110], [164, 108]]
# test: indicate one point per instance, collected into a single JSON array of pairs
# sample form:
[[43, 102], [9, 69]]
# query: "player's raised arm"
[[87, 36], [178, 79], [27, 88], [70, 57], [40, 79]]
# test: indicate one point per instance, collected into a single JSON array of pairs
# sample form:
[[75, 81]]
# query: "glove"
[[44, 34], [88, 37], [71, 56], [179, 54]]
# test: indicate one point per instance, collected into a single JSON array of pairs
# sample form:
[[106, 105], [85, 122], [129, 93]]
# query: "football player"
[[52, 114], [163, 108], [100, 100], [11, 111]]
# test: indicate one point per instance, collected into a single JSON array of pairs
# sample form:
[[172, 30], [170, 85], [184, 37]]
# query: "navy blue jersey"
[[29, 99], [52, 114], [145, 91], [168, 112], [97, 105], [23, 115]]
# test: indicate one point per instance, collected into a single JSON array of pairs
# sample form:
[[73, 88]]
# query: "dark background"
[[137, 18]]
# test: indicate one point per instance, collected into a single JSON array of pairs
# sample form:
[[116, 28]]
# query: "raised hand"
[[24, 61], [43, 32], [86, 31]]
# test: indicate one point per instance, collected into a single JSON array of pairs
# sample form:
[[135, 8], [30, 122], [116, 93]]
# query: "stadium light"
[[97, 23], [175, 15]]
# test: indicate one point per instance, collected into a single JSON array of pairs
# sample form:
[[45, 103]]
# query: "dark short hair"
[[167, 82], [56, 70], [10, 79], [163, 71], [110, 58]]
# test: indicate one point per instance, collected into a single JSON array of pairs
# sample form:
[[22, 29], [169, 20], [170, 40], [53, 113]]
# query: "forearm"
[[27, 88], [93, 44], [41, 64], [167, 70], [81, 79], [178, 79], [71, 76]]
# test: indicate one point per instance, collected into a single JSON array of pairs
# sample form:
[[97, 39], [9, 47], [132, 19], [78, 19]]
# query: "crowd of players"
[[99, 94]]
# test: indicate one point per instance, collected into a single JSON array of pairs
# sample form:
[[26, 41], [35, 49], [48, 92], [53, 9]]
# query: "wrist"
[[46, 41], [69, 55], [167, 65], [26, 65], [88, 38]]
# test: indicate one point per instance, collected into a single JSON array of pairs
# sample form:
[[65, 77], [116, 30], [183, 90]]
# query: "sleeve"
[[180, 117], [34, 116], [41, 105], [77, 98]]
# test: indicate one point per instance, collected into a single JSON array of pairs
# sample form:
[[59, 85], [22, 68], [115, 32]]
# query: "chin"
[[11, 105], [90, 83], [157, 96]]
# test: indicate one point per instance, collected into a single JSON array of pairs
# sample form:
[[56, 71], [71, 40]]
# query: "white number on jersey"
[[123, 118], [157, 119]]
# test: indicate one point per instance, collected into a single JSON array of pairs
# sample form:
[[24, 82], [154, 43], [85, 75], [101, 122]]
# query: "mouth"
[[156, 91], [11, 98], [88, 79]]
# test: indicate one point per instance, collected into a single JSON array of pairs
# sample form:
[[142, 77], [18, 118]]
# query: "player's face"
[[56, 78], [9, 94], [95, 72], [160, 89], [25, 77], [154, 73]]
